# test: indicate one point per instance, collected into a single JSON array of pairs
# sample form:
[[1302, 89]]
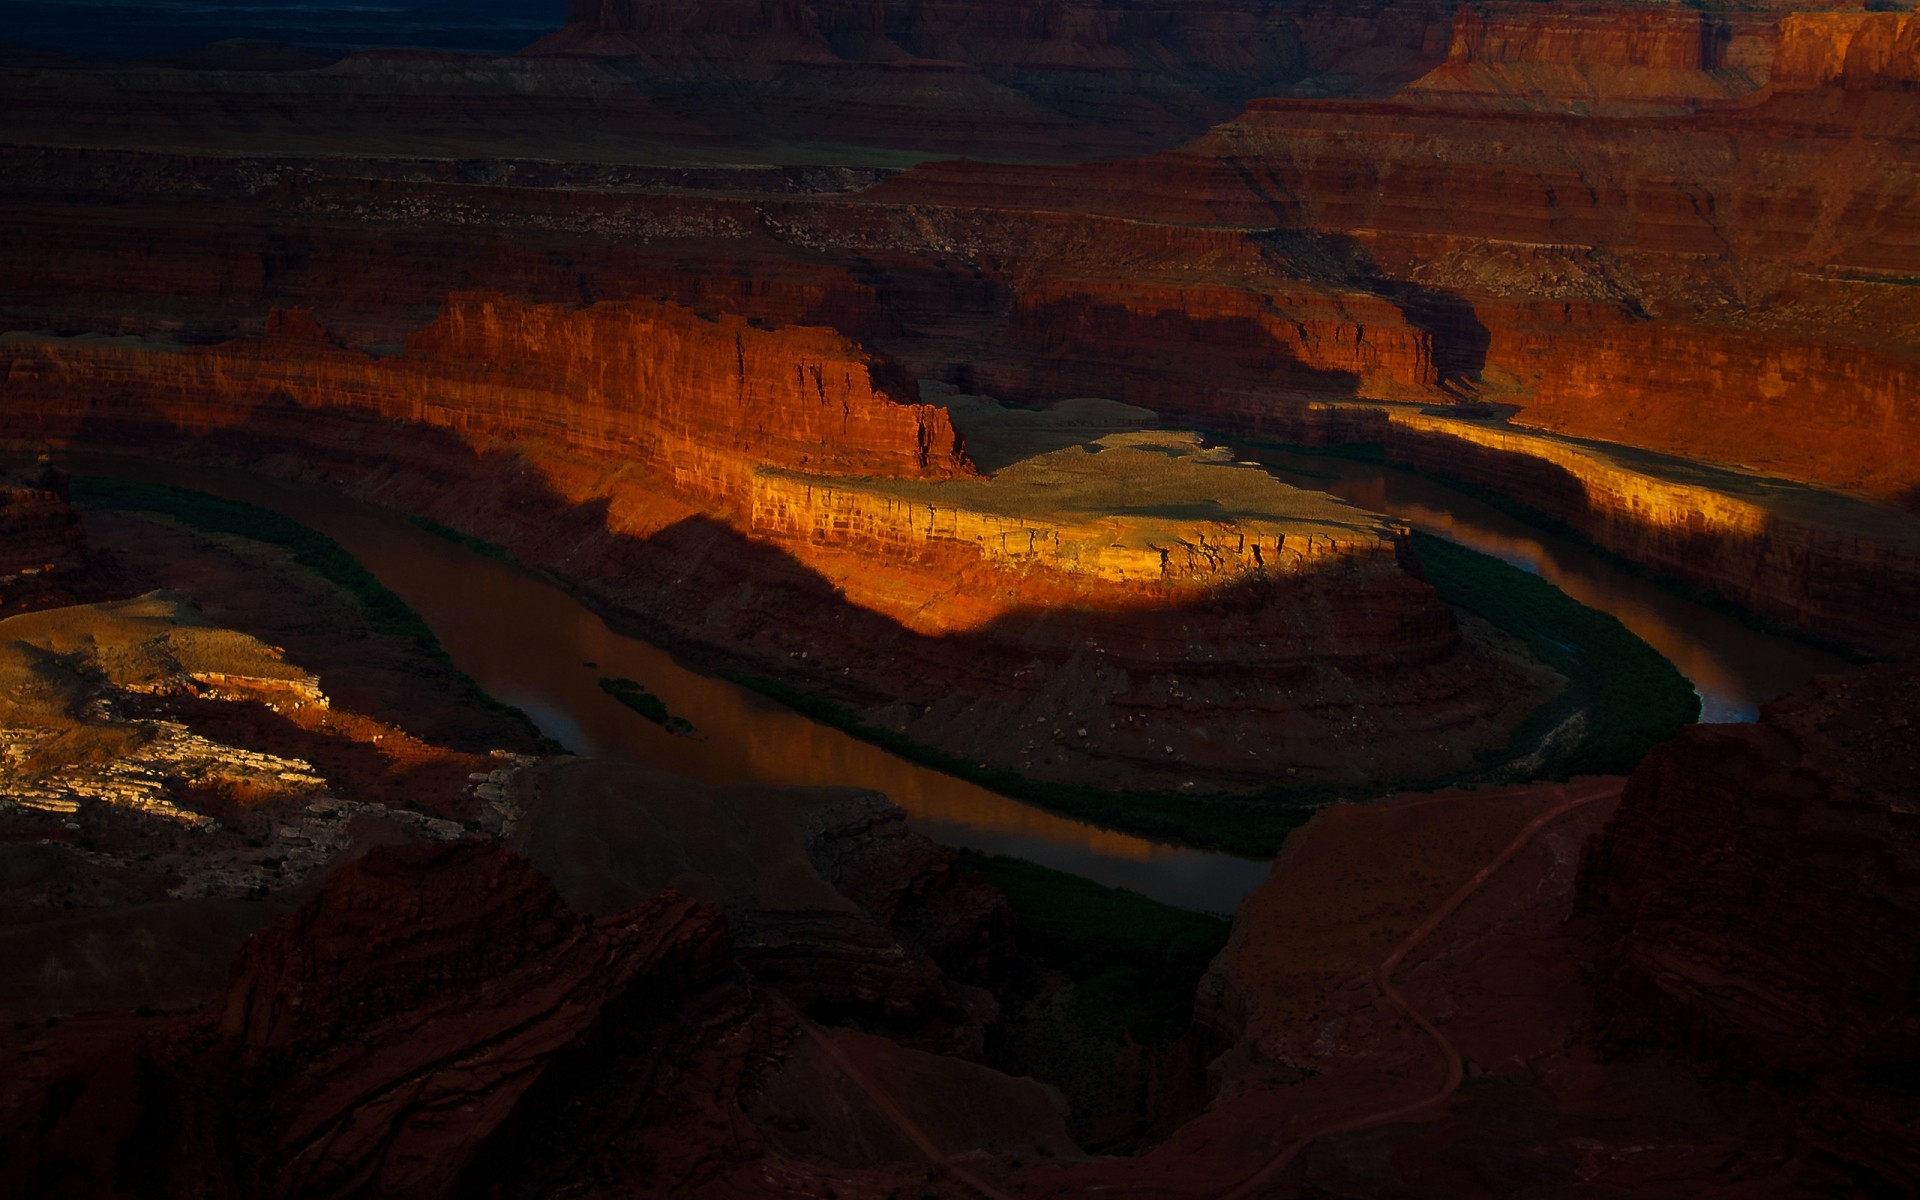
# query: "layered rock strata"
[[1859, 51], [1591, 269], [1843, 568], [41, 545], [1762, 887], [832, 900], [1597, 59], [424, 981], [824, 475], [436, 1021]]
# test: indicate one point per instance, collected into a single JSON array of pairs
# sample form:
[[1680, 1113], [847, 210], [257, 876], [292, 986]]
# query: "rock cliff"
[[832, 900], [425, 981], [853, 530], [1596, 59], [1603, 271], [649, 383], [41, 545], [1631, 277], [1837, 566], [1761, 882], [436, 1021], [1857, 51]]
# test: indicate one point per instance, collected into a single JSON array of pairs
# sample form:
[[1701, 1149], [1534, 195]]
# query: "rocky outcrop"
[[1841, 568], [1762, 883], [1222, 351], [1662, 39], [1605, 276], [1857, 51], [656, 384], [41, 545], [435, 1022], [1595, 58], [832, 900], [911, 885], [852, 530], [429, 980]]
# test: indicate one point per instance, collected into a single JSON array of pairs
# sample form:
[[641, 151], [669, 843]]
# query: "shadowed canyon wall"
[[761, 494], [1761, 884], [1628, 278], [41, 543], [1733, 284]]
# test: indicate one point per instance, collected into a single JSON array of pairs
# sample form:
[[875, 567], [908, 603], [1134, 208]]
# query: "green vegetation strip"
[[1375, 454], [1251, 825], [478, 545], [1633, 698], [313, 550], [1134, 962]]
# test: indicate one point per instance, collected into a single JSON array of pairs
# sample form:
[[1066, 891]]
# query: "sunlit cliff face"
[[1158, 574], [878, 397]]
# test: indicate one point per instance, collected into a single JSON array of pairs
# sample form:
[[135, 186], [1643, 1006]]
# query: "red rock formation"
[[40, 539], [411, 1028], [1763, 885], [1662, 39], [870, 855], [832, 900], [1150, 68], [1833, 565], [1642, 282], [1858, 51], [1222, 350], [709, 410], [643, 382]]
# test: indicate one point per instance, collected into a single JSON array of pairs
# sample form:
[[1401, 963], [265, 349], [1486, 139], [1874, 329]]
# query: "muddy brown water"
[[1733, 666], [529, 643]]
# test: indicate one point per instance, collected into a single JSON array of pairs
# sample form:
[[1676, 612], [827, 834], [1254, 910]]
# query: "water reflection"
[[530, 644], [1735, 668]]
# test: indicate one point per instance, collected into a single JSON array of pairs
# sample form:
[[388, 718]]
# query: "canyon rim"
[[962, 598]]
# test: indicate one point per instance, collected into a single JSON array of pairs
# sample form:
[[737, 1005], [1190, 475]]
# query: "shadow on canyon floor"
[[1458, 339], [1082, 346], [964, 702]]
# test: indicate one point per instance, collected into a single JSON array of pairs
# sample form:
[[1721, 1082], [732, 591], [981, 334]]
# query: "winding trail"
[[1383, 979], [892, 1111]]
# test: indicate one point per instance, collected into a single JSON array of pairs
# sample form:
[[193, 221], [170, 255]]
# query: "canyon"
[[804, 468], [927, 366]]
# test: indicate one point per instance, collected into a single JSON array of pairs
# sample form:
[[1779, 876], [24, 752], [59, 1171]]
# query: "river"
[[531, 644], [1733, 666]]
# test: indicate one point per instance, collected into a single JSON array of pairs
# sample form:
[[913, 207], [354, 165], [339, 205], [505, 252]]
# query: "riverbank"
[[1611, 728], [544, 645], [1621, 699], [313, 550], [1374, 454], [1839, 568]]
